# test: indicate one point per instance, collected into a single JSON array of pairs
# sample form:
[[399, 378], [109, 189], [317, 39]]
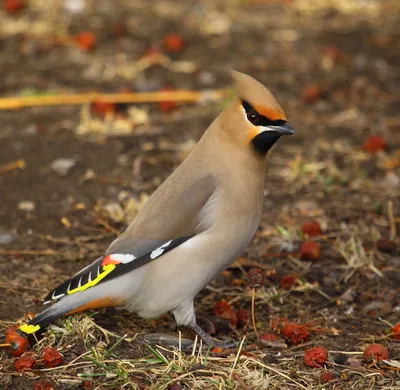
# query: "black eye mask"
[[257, 119]]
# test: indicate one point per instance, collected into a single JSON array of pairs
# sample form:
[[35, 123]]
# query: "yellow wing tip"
[[29, 329]]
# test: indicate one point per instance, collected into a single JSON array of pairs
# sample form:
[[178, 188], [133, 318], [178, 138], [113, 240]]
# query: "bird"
[[194, 225]]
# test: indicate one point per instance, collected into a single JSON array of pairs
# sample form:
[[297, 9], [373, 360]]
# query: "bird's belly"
[[177, 277]]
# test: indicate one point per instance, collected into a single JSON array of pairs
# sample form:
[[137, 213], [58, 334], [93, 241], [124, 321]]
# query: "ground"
[[333, 66]]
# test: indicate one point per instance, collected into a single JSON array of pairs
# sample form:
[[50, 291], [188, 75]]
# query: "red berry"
[[311, 93], [223, 310], [25, 363], [220, 306], [102, 108], [173, 43], [255, 278], [13, 6], [267, 336], [375, 352], [295, 333], [315, 357], [43, 385], [278, 323], [288, 281], [396, 332], [51, 357], [85, 40], [374, 143], [11, 334], [243, 317], [312, 228], [167, 105], [325, 377], [310, 250], [18, 345]]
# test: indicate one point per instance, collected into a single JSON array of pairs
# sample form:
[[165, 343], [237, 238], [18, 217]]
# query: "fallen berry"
[[315, 357], [18, 345], [173, 43], [11, 334], [255, 278], [224, 310], [243, 317], [51, 357], [311, 228], [295, 333], [102, 108], [311, 93], [288, 281], [87, 384], [325, 377], [85, 40], [278, 323], [310, 251], [13, 6], [267, 336], [217, 350], [25, 363], [167, 105], [374, 143], [396, 332], [220, 306], [43, 385], [375, 352]]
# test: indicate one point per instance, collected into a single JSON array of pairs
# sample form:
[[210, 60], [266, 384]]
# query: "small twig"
[[5, 345], [28, 252], [12, 166], [391, 220], [243, 385], [253, 316], [14, 103], [107, 226], [238, 354]]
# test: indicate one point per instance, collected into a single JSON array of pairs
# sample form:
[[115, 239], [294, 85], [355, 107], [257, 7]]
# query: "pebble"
[[74, 6], [378, 309], [206, 78], [6, 238], [26, 205], [62, 166]]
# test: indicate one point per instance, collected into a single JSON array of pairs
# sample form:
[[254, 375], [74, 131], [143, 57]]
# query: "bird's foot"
[[211, 342]]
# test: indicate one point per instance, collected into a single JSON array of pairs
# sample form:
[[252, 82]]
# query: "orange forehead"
[[270, 113]]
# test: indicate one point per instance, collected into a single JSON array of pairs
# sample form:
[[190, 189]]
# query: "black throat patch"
[[264, 141]]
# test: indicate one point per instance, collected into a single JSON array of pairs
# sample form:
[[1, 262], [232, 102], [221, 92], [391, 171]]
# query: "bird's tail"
[[90, 299], [79, 293]]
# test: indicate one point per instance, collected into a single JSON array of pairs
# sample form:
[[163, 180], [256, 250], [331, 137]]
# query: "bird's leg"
[[185, 315], [210, 341]]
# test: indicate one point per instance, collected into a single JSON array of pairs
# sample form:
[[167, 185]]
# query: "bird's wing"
[[173, 211], [129, 252], [109, 267]]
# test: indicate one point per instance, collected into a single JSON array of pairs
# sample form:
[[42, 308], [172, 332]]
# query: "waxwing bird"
[[193, 226]]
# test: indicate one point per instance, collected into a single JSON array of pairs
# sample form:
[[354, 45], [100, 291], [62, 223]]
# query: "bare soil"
[[335, 69]]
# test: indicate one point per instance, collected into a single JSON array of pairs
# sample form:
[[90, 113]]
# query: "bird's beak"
[[284, 129], [268, 135]]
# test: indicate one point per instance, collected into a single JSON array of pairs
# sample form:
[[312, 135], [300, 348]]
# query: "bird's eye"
[[253, 116]]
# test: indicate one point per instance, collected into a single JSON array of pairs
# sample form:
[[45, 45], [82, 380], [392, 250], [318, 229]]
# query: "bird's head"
[[256, 117]]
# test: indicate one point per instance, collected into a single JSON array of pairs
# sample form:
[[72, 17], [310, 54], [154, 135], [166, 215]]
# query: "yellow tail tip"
[[29, 329]]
